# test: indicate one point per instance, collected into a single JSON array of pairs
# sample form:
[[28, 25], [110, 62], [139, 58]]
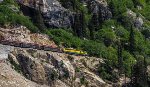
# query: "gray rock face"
[[138, 22], [4, 51], [56, 69], [100, 7], [42, 67], [54, 14], [10, 78]]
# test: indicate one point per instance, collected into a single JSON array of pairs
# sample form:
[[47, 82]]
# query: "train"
[[75, 51], [52, 48]]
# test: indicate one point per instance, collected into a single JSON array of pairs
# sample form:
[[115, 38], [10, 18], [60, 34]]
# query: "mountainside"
[[75, 43]]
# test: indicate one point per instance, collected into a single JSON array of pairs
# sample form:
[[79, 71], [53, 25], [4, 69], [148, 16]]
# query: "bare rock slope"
[[27, 67], [10, 78], [54, 69]]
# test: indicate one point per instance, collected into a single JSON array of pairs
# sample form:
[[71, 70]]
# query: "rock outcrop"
[[54, 15], [135, 19], [99, 7], [11, 78], [55, 69], [22, 34]]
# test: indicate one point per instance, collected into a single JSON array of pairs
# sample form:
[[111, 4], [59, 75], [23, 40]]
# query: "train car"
[[25, 45], [41, 47], [55, 49], [17, 44], [34, 46], [47, 48], [5, 42], [1, 38], [37, 46], [51, 48], [11, 43], [74, 51]]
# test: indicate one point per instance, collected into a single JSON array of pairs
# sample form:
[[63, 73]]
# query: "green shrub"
[[145, 12], [93, 48], [8, 16], [118, 7], [139, 2], [128, 61], [106, 72], [107, 35], [122, 33], [8, 2], [67, 39], [83, 81]]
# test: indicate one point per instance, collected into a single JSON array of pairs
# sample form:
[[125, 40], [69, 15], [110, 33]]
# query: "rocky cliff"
[[56, 16], [53, 13], [56, 69]]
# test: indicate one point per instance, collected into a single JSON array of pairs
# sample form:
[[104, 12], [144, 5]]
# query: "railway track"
[[31, 45], [37, 46]]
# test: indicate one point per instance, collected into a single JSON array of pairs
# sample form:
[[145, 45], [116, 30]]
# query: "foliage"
[[107, 35], [93, 48], [106, 72], [139, 2], [128, 62], [104, 36], [146, 11], [60, 36], [139, 73], [9, 2], [9, 17], [83, 81], [122, 33]]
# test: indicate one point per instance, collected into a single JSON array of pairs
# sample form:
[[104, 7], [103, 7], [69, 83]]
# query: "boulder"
[[138, 22]]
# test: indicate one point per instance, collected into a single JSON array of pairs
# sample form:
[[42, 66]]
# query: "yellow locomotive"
[[74, 51]]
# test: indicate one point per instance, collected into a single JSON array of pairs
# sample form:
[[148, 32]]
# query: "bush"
[[93, 48], [122, 33], [118, 7], [9, 17], [67, 39], [9, 2], [139, 2], [139, 42], [128, 61], [145, 12], [107, 35]]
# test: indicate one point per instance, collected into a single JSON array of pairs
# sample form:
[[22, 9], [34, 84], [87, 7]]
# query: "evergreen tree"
[[139, 76], [132, 40], [93, 25], [120, 59], [95, 21], [77, 27], [38, 19], [83, 24]]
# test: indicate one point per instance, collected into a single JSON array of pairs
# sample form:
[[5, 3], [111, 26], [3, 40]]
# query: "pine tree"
[[38, 19], [77, 27], [93, 25], [139, 74], [120, 59], [95, 21], [132, 40], [83, 24]]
